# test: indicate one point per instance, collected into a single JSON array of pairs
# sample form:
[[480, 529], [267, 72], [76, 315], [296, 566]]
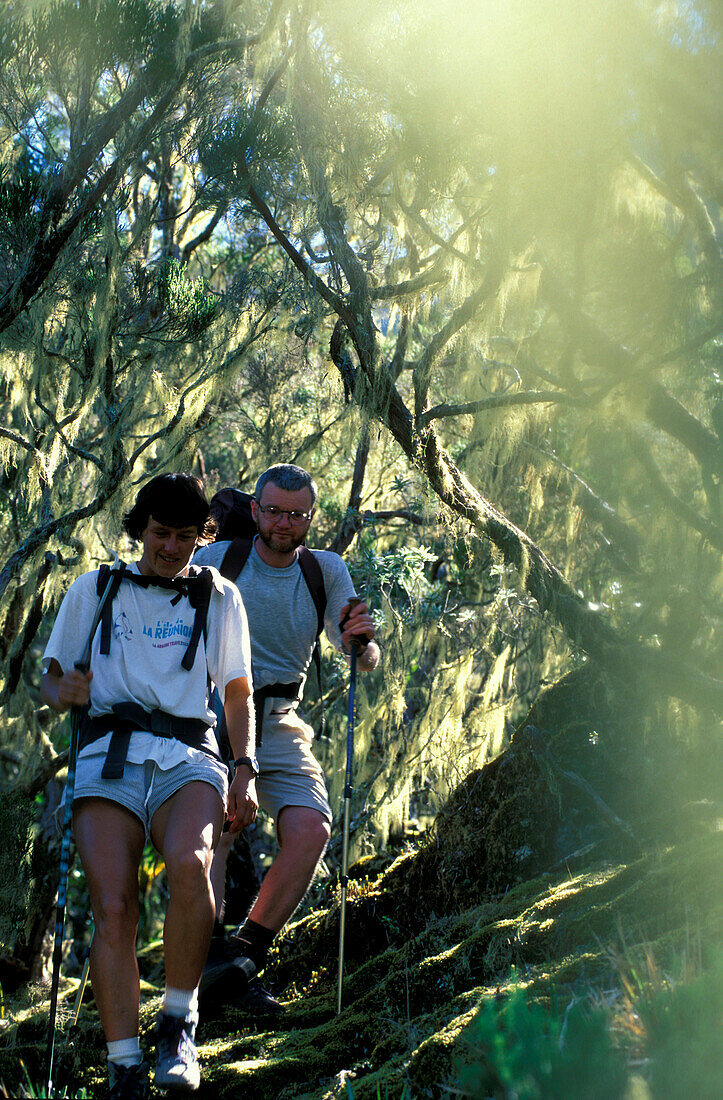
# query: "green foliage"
[[248, 141], [683, 1028], [29, 1090], [405, 1093], [103, 32], [188, 301], [397, 576], [520, 1050], [22, 190]]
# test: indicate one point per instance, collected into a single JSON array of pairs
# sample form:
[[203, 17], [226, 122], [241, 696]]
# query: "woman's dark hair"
[[177, 500]]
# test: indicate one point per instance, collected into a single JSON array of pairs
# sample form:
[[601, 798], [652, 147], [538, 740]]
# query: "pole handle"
[[358, 641]]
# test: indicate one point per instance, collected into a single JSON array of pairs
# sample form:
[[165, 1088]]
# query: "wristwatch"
[[251, 763]]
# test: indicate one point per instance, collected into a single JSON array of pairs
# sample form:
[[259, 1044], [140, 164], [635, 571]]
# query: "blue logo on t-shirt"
[[168, 632], [122, 627]]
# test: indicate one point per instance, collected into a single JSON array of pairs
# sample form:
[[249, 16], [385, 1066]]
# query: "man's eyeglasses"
[[273, 512]]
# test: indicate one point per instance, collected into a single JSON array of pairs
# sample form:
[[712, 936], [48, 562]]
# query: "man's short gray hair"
[[288, 477]]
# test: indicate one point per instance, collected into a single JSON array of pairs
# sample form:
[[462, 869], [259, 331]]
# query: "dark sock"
[[256, 941]]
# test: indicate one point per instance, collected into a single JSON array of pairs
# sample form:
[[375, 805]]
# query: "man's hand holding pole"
[[357, 629]]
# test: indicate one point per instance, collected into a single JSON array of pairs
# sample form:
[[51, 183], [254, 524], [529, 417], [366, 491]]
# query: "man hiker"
[[148, 765], [283, 624]]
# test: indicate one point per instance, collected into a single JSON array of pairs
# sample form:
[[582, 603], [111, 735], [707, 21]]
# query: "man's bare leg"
[[303, 836], [218, 872]]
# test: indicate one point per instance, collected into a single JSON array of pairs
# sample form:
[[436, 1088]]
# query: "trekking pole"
[[82, 983], [348, 788], [76, 716]]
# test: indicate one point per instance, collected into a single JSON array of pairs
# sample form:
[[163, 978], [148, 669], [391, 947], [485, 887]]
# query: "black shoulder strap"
[[235, 558], [238, 553], [312, 574], [198, 588], [106, 617], [199, 596], [314, 578]]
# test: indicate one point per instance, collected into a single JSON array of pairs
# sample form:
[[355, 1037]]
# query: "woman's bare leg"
[[110, 841]]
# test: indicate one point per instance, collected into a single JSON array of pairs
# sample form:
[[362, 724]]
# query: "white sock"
[[180, 1002], [125, 1052]]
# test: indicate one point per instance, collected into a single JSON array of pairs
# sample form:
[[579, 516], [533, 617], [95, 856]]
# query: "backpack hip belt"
[[272, 691], [127, 718]]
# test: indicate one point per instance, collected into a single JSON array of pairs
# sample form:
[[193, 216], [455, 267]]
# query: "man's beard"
[[281, 544]]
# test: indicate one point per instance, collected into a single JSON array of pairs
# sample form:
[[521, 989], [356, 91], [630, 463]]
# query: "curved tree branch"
[[344, 536], [583, 623], [501, 401], [21, 441], [614, 528], [50, 240], [422, 373], [61, 526], [672, 501]]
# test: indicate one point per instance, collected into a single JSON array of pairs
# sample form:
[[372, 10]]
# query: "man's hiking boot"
[[177, 1066], [230, 977], [226, 958], [258, 1001], [128, 1082]]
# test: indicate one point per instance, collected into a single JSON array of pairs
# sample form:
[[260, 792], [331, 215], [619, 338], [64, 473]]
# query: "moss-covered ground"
[[557, 934], [416, 977]]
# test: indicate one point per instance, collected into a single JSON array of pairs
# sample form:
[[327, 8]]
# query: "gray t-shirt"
[[281, 613]]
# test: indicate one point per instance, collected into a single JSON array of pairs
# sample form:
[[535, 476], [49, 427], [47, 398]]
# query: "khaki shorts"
[[290, 774], [145, 787]]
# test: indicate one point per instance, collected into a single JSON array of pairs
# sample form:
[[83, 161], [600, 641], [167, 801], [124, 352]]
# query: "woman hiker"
[[148, 765]]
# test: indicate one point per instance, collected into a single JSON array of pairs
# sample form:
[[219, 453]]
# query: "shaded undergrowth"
[[414, 988]]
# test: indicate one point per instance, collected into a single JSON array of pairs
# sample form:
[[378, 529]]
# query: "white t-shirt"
[[148, 642]]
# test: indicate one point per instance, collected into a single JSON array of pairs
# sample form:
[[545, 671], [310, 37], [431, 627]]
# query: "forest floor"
[[596, 981]]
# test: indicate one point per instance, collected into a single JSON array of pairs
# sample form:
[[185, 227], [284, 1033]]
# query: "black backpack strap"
[[238, 553], [314, 578], [106, 617], [312, 574], [198, 587], [235, 558], [199, 596]]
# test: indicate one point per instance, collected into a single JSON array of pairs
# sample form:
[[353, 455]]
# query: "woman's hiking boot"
[[128, 1082], [177, 1066]]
